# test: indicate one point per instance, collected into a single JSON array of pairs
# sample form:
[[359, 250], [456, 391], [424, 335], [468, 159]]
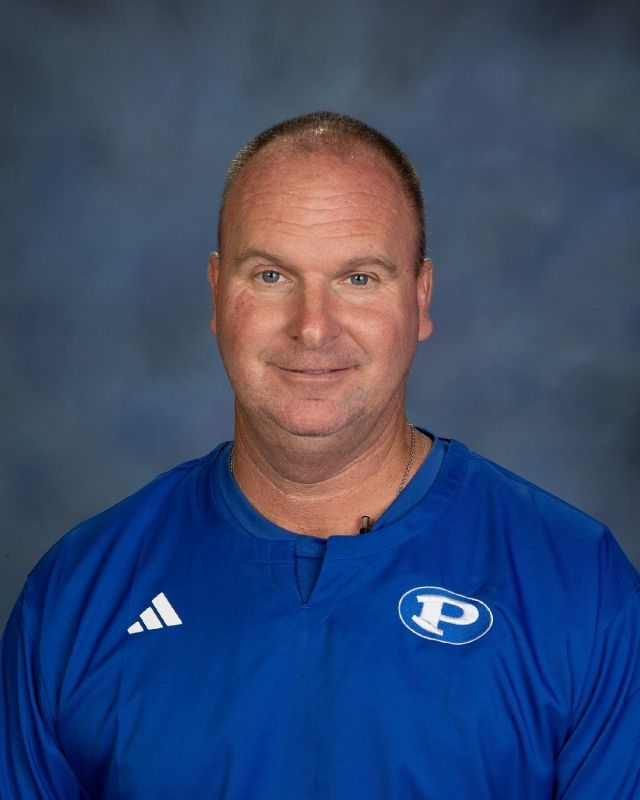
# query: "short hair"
[[326, 129]]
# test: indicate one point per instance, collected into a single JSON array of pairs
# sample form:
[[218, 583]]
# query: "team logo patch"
[[444, 616]]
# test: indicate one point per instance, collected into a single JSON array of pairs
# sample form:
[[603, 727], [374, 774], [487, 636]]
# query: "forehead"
[[352, 191]]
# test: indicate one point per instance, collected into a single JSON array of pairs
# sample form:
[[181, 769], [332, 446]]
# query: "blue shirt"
[[481, 644]]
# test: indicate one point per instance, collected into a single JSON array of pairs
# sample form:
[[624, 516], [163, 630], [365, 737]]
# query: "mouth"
[[317, 371], [315, 374]]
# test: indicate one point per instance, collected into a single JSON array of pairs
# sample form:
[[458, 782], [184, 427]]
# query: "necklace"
[[407, 469]]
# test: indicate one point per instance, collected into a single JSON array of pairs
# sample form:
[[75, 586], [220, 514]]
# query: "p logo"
[[444, 616]]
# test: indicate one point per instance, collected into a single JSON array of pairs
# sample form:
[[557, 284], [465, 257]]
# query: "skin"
[[318, 312]]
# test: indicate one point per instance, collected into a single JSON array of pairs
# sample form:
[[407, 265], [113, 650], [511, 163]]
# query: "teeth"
[[316, 371]]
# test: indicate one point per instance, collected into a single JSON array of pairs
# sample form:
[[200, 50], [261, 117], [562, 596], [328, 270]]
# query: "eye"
[[270, 276], [359, 279]]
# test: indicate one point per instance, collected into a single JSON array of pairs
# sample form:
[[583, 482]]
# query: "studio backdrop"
[[118, 121]]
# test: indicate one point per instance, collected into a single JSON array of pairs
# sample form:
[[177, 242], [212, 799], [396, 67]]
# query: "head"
[[319, 302], [331, 132]]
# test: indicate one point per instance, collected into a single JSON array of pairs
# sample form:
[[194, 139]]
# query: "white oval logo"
[[444, 616]]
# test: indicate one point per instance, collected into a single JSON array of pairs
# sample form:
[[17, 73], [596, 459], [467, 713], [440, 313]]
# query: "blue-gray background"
[[118, 120]]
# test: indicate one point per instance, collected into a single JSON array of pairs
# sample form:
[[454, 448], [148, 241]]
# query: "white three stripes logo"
[[150, 618]]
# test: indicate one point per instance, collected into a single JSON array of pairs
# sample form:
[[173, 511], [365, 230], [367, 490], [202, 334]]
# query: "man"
[[338, 604]]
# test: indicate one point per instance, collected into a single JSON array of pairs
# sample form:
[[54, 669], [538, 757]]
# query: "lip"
[[315, 375]]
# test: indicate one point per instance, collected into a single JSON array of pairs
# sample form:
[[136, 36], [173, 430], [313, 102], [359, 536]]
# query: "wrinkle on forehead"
[[273, 207], [319, 192]]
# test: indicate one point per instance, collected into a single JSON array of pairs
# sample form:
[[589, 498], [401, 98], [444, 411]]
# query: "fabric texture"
[[482, 641]]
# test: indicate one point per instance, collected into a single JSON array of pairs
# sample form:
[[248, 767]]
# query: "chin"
[[317, 423]]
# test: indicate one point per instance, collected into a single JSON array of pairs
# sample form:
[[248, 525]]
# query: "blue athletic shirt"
[[482, 641]]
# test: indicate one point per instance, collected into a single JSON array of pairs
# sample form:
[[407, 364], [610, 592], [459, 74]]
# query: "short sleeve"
[[600, 760], [31, 763]]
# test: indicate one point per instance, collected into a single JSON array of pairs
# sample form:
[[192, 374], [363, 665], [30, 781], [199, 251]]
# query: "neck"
[[323, 486]]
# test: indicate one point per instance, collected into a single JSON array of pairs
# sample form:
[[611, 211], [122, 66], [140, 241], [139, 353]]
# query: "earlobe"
[[424, 284], [213, 272]]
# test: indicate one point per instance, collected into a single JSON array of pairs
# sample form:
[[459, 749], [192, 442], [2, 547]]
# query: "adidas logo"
[[150, 618]]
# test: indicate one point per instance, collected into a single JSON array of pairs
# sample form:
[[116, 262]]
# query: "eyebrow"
[[247, 255], [352, 263]]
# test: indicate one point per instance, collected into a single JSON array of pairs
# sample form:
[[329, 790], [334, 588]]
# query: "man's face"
[[318, 310]]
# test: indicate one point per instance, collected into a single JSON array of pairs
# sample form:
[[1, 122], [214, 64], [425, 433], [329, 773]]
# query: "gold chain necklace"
[[407, 469]]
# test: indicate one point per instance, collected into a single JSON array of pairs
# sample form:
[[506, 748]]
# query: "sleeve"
[[600, 759], [32, 765]]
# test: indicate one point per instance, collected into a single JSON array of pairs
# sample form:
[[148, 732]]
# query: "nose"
[[314, 320]]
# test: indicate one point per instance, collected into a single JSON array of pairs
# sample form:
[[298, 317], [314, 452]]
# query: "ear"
[[424, 282], [213, 273]]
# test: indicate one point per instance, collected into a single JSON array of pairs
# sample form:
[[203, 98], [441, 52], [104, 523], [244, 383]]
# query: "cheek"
[[394, 334], [244, 328]]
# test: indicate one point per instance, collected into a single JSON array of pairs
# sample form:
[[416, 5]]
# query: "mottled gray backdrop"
[[118, 119]]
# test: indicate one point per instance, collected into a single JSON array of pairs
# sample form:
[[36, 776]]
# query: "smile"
[[315, 371], [315, 374]]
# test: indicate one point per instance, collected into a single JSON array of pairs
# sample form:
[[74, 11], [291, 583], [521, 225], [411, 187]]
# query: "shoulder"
[[108, 546], [540, 540], [506, 492]]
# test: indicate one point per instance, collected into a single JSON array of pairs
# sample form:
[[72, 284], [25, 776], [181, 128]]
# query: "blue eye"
[[270, 276], [359, 279]]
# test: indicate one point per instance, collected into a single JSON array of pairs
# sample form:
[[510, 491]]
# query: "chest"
[[254, 694]]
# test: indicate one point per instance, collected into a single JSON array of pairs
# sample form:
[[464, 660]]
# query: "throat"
[[346, 502]]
